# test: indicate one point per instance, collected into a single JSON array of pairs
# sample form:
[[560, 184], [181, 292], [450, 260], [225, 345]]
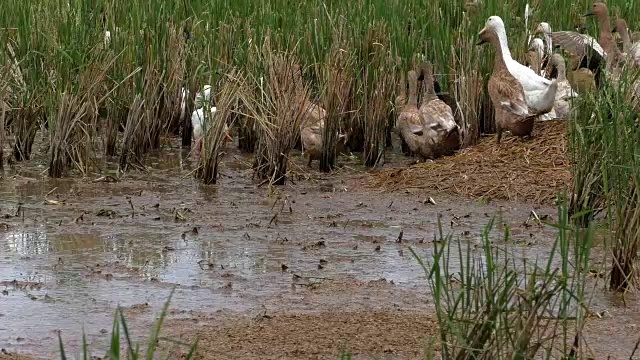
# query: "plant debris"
[[531, 171]]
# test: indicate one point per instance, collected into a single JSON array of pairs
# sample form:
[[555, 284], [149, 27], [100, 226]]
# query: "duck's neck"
[[562, 72], [606, 37], [502, 53], [402, 90], [626, 39], [549, 43], [503, 46], [428, 92], [413, 92]]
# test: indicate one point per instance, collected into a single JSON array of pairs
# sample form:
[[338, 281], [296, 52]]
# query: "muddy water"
[[71, 251]]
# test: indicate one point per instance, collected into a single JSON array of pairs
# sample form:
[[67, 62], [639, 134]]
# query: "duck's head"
[[598, 9], [492, 27], [620, 26], [558, 61], [543, 28], [536, 44], [412, 75]]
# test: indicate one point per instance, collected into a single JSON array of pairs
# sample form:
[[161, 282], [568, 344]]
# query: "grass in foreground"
[[502, 307], [132, 351]]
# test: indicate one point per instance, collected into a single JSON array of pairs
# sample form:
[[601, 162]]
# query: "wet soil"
[[301, 271]]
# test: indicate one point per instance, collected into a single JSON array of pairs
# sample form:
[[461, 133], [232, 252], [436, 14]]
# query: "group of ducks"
[[429, 130], [311, 130], [521, 94]]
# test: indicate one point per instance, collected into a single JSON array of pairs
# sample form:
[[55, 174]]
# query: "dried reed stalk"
[[153, 122], [377, 84], [132, 150], [467, 86], [338, 81], [626, 241], [71, 136], [26, 108], [170, 108], [214, 126], [281, 113], [3, 130], [65, 134]]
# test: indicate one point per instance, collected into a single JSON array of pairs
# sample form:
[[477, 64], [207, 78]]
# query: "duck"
[[585, 50], [437, 116], [536, 56], [313, 123], [311, 137], [562, 105], [630, 50], [202, 97], [539, 92], [197, 123], [410, 122], [605, 38], [518, 94], [399, 104]]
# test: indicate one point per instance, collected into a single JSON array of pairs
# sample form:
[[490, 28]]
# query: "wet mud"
[[302, 271]]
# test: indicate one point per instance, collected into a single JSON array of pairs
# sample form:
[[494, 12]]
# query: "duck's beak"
[[588, 13], [480, 35]]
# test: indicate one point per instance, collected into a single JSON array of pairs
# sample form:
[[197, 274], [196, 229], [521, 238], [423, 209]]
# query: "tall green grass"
[[605, 146], [54, 44], [501, 306]]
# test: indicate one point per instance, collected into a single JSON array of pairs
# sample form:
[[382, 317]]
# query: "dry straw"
[[233, 89], [530, 171], [283, 104]]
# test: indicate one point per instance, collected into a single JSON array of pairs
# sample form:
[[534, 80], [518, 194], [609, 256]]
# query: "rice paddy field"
[[109, 206]]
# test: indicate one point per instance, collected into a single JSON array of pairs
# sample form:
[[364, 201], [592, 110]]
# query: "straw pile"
[[532, 171]]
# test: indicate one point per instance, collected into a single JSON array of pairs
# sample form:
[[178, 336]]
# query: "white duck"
[[562, 105], [197, 122], [539, 93], [202, 97]]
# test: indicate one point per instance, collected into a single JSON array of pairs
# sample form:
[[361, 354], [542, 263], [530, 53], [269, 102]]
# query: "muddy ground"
[[303, 271]]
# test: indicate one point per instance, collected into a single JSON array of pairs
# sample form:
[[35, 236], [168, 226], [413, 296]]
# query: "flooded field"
[[301, 271]]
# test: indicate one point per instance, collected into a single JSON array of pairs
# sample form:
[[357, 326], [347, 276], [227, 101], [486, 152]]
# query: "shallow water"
[[72, 250]]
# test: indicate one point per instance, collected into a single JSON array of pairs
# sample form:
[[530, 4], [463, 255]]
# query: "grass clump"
[[499, 307], [233, 91], [375, 83], [605, 137], [132, 352], [337, 96], [283, 110]]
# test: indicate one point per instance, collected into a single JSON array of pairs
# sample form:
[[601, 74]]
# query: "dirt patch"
[[532, 171], [325, 335], [5, 355]]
